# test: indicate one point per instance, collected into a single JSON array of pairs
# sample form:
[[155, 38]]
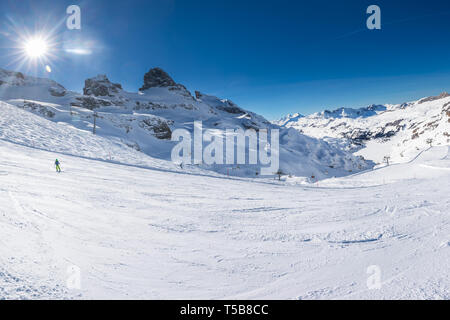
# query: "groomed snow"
[[149, 234]]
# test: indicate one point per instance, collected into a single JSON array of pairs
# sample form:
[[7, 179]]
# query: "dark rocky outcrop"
[[359, 136], [157, 77], [38, 108], [230, 107], [100, 86], [90, 103], [148, 106], [57, 91], [159, 128]]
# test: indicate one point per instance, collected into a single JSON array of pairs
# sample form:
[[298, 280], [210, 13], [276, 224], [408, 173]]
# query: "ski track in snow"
[[150, 234]]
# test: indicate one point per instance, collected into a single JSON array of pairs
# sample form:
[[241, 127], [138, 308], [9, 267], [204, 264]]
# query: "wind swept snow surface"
[[142, 233]]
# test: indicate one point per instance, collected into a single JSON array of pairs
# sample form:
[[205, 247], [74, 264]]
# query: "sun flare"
[[36, 47]]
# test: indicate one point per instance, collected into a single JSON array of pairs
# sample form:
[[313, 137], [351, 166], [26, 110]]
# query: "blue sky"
[[272, 57]]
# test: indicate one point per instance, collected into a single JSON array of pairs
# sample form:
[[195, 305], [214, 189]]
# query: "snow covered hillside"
[[145, 120], [396, 131], [139, 232], [133, 224]]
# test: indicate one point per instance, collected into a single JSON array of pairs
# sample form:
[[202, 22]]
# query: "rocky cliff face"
[[100, 86], [157, 77]]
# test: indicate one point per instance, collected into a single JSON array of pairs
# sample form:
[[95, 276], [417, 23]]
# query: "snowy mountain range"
[[399, 132], [145, 120]]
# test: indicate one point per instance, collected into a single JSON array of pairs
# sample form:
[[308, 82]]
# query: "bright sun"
[[36, 47]]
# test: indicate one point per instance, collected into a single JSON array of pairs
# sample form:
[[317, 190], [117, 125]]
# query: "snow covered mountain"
[[139, 228], [399, 132], [289, 118], [134, 225], [146, 119]]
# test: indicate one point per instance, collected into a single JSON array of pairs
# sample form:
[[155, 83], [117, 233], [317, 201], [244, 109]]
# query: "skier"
[[58, 168]]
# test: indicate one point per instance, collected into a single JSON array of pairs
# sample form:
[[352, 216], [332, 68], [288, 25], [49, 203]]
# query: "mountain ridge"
[[379, 131]]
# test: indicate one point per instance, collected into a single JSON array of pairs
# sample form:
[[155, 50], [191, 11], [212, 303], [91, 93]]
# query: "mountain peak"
[[100, 86], [289, 118], [157, 77], [441, 96]]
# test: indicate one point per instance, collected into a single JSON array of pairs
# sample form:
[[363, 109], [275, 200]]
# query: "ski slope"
[[145, 233]]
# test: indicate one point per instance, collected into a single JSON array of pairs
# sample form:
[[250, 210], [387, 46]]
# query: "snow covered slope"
[[145, 120], [397, 131], [136, 226], [140, 233]]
